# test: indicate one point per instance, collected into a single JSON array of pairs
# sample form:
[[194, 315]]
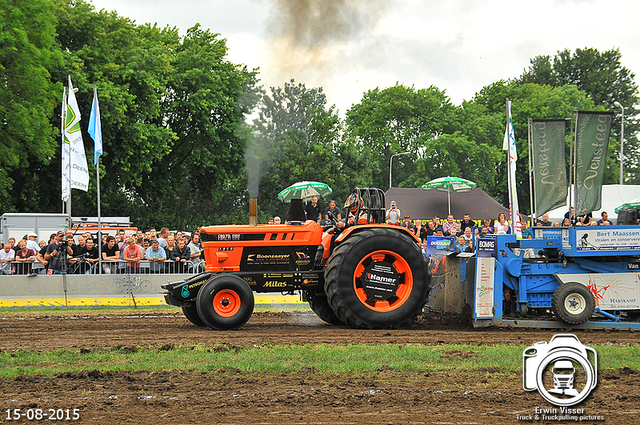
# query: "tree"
[[172, 109], [206, 104], [27, 98], [455, 155], [296, 138], [605, 80], [393, 120], [487, 111], [130, 65]]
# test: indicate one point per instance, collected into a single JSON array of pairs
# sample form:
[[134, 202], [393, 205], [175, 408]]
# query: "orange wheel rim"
[[405, 286], [226, 303]]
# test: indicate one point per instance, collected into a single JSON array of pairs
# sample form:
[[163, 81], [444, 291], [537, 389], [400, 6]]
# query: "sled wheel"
[[320, 306], [190, 311], [573, 303], [377, 278], [225, 302]]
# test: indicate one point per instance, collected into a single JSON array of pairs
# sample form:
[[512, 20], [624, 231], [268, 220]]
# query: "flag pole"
[[533, 209], [63, 120], [510, 145], [97, 161], [69, 163], [95, 131]]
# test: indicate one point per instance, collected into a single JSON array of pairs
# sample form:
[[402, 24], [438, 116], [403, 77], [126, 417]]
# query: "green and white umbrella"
[[304, 190], [631, 204], [450, 184]]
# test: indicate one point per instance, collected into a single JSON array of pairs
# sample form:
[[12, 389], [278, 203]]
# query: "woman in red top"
[[24, 255]]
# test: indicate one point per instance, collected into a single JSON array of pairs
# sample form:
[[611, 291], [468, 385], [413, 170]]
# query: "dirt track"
[[304, 396]]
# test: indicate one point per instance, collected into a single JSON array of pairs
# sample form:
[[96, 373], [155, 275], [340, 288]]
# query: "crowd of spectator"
[[163, 252], [70, 253]]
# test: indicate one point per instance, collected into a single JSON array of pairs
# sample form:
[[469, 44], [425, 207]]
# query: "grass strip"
[[453, 358]]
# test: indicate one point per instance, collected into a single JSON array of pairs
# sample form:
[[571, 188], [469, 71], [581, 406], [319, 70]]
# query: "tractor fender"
[[187, 290], [361, 227]]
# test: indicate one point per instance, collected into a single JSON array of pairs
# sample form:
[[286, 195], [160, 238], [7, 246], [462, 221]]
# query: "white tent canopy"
[[613, 195]]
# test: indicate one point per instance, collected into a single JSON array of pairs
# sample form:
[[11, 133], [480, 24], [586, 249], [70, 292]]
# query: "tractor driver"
[[353, 204]]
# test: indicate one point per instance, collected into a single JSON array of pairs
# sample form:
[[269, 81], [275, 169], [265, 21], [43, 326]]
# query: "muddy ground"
[[304, 396]]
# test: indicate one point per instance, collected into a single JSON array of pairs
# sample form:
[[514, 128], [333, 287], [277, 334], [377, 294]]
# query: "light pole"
[[616, 103], [391, 162]]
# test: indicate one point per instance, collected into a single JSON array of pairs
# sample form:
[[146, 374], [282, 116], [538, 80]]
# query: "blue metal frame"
[[535, 280]]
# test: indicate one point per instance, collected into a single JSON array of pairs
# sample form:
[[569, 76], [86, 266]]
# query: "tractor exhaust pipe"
[[253, 211]]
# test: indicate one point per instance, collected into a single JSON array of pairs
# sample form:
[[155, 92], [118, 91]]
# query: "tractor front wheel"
[[225, 302]]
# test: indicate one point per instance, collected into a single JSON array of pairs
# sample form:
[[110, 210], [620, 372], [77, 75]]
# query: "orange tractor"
[[360, 272]]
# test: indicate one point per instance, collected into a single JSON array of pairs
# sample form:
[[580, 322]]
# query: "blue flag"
[[95, 128]]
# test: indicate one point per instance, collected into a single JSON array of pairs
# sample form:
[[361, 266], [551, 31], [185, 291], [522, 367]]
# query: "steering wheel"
[[334, 223]]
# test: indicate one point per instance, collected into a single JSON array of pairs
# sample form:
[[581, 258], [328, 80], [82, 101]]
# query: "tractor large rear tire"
[[225, 302], [190, 311], [320, 306], [377, 278]]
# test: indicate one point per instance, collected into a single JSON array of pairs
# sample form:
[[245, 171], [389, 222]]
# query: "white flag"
[[74, 161], [510, 145]]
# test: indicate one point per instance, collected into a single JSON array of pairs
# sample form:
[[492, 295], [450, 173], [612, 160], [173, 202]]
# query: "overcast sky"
[[351, 46]]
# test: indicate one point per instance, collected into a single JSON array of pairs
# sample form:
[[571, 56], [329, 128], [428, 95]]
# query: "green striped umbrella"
[[450, 184], [304, 190], [631, 204]]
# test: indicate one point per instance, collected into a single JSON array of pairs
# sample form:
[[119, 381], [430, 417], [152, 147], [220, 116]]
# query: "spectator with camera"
[[57, 253], [393, 214]]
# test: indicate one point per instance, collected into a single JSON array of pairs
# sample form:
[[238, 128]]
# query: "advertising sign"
[[611, 291], [440, 246], [607, 238], [484, 287], [549, 167]]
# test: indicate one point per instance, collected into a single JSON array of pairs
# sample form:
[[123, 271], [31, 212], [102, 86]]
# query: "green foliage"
[[296, 138], [602, 76], [27, 98], [394, 120], [176, 141]]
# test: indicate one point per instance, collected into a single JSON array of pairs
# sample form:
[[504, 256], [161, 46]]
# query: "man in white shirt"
[[393, 214], [7, 255]]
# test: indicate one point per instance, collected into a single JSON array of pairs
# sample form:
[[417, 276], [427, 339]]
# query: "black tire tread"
[[321, 307], [343, 308], [562, 292], [190, 311], [205, 308]]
